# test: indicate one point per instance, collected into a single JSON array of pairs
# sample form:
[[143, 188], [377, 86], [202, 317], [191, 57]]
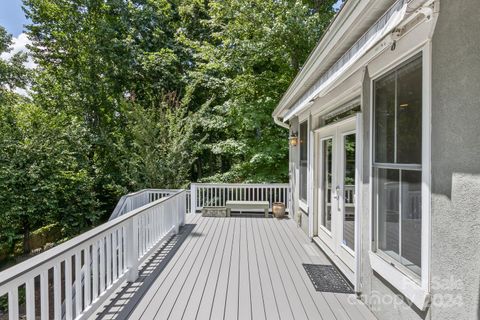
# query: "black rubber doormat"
[[327, 278]]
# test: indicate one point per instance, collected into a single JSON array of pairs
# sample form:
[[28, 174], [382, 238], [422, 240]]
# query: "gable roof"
[[350, 23]]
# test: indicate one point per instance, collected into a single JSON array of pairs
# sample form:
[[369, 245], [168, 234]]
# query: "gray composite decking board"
[[119, 304], [203, 287], [145, 307], [297, 289], [256, 290], [244, 289], [342, 298], [331, 298], [197, 274], [265, 281], [232, 294], [283, 302], [301, 241], [217, 309], [176, 284], [298, 253], [244, 268]]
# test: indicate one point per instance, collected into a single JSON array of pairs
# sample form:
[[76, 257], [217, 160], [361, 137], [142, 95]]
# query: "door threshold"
[[335, 260]]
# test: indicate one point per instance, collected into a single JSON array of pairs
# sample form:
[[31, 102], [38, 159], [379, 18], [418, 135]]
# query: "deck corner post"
[[181, 208], [132, 250], [193, 198]]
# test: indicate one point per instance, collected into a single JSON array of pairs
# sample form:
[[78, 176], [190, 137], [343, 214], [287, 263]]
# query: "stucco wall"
[[456, 161], [455, 256]]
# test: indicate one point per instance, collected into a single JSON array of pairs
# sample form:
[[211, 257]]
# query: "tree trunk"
[[26, 237]]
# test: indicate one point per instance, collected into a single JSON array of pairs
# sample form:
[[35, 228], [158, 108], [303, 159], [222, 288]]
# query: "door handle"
[[337, 196], [337, 188]]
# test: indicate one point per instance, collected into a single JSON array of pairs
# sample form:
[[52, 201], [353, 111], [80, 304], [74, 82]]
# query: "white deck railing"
[[216, 195], [138, 199], [103, 258]]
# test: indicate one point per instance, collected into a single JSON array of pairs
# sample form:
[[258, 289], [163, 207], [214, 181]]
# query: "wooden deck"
[[237, 268]]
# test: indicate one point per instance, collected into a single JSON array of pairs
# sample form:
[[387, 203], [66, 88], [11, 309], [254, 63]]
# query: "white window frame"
[[417, 290], [303, 203]]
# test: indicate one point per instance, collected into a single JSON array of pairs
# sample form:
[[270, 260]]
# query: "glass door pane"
[[349, 191], [327, 175]]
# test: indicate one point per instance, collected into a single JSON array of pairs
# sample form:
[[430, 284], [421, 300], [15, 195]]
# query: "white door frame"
[[331, 241]]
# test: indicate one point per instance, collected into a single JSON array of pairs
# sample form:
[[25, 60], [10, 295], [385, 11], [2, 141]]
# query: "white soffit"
[[367, 41]]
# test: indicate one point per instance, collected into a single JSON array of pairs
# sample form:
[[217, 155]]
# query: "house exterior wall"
[[455, 177], [455, 171], [455, 187], [383, 299], [294, 171]]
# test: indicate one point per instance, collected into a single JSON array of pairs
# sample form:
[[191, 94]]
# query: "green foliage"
[[144, 94], [160, 153], [43, 174], [251, 54]]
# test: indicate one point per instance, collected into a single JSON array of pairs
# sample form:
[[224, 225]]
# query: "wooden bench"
[[247, 205]]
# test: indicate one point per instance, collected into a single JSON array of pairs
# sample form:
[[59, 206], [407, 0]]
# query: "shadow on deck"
[[232, 268]]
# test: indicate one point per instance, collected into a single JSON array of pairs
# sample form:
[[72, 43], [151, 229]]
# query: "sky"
[[336, 6], [12, 16]]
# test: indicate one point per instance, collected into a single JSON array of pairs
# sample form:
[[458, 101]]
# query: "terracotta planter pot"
[[278, 209]]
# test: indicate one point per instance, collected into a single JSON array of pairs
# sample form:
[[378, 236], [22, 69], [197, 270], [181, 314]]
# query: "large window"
[[303, 160], [397, 165]]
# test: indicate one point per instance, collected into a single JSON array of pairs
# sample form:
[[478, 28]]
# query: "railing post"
[[193, 198], [181, 207], [132, 249], [176, 217]]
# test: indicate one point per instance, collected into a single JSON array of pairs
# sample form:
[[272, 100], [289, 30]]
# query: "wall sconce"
[[293, 139]]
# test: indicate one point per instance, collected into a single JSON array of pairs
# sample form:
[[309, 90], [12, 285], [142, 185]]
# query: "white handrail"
[[140, 198], [217, 194], [105, 256]]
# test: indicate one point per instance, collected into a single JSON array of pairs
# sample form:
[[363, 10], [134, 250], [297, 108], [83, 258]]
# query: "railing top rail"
[[42, 258], [123, 200], [121, 203], [241, 184]]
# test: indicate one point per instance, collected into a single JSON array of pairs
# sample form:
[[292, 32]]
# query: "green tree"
[[253, 51], [42, 164], [161, 149], [42, 173], [93, 57]]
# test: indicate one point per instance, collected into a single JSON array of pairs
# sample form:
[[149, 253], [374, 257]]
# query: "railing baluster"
[[30, 298], [95, 274], [102, 264], [121, 250], [270, 193], [87, 278], [115, 254], [109, 259], [44, 292], [68, 288], [144, 234], [13, 303], [78, 283], [57, 291]]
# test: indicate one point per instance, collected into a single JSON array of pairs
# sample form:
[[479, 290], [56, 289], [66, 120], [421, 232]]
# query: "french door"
[[336, 145]]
